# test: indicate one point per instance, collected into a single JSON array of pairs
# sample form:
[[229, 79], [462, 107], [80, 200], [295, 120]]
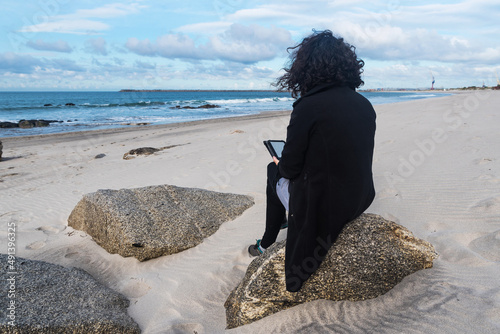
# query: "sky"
[[87, 45]]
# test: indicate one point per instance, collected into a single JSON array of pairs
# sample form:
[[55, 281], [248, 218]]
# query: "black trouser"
[[275, 211]]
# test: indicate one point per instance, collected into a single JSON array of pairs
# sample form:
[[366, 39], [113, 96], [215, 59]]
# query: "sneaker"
[[284, 224], [255, 250]]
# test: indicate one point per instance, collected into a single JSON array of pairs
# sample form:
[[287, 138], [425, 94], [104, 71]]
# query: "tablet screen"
[[275, 147], [278, 147]]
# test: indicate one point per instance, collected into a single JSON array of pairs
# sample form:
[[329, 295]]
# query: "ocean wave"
[[86, 105], [90, 105], [417, 96], [251, 100]]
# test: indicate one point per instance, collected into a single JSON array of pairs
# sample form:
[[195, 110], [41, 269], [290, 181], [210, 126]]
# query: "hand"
[[276, 161]]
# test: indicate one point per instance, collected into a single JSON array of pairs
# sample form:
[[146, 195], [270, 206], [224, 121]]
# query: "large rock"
[[369, 258], [40, 297], [28, 123], [32, 123], [153, 221], [8, 125]]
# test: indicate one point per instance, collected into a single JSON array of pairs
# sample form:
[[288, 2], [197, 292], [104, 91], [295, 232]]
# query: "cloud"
[[59, 46], [393, 30], [109, 10], [394, 43], [203, 27], [96, 46], [26, 64], [144, 65], [250, 44], [14, 63], [419, 76], [239, 43], [81, 22], [63, 65], [168, 46], [230, 70], [67, 26]]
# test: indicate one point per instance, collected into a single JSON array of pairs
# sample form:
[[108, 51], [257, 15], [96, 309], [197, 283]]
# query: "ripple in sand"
[[389, 193], [489, 178], [36, 245], [51, 229], [489, 203], [487, 246], [136, 288], [186, 328], [483, 161]]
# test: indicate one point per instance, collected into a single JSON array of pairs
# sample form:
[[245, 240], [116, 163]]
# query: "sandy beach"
[[436, 171]]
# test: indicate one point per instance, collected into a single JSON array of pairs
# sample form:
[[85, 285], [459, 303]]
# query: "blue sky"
[[240, 44]]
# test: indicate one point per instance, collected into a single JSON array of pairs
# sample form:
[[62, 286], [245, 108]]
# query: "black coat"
[[328, 158]]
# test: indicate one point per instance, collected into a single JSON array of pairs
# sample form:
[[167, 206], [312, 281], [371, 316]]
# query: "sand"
[[436, 170]]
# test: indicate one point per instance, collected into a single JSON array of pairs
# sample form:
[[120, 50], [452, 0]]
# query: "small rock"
[[140, 151], [146, 151], [99, 156], [1, 150]]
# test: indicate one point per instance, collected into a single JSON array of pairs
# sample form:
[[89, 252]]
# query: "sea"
[[81, 111]]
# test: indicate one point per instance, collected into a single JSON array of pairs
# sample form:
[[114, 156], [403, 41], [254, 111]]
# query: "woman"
[[325, 172]]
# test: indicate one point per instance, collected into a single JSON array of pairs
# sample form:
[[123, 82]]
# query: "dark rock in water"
[[208, 106], [8, 125], [154, 221], [31, 123], [47, 105], [369, 258], [204, 106], [69, 104], [41, 123], [53, 299], [26, 124]]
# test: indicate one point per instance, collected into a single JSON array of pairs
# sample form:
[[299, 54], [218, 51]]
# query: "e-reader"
[[275, 147]]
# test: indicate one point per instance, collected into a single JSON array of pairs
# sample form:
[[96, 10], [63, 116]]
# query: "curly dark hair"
[[321, 58]]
